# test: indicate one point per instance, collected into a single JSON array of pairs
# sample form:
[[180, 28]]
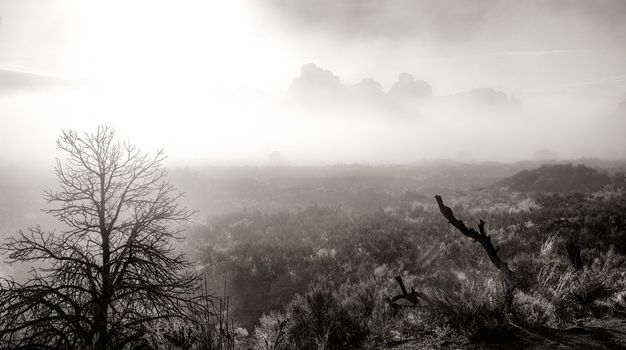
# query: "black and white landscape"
[[329, 174]]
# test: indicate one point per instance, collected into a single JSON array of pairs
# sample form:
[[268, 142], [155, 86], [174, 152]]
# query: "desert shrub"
[[597, 282], [182, 335], [532, 310], [371, 299], [272, 333], [526, 269], [345, 316], [473, 305], [349, 316], [554, 283], [619, 300], [576, 293], [421, 324], [324, 318], [313, 317], [597, 222], [581, 297]]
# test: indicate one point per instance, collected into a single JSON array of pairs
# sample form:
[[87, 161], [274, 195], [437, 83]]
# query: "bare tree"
[[102, 281]]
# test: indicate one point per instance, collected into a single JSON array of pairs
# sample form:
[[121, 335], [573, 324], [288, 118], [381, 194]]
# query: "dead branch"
[[481, 237], [573, 252]]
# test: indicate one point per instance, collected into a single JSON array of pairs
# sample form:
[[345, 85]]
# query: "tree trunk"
[[102, 311]]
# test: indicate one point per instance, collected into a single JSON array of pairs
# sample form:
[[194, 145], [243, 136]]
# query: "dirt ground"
[[606, 333]]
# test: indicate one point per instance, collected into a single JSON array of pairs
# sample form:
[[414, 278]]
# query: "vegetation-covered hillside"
[[559, 178], [353, 257], [326, 276]]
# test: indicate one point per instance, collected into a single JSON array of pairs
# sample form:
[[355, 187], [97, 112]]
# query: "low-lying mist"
[[319, 120]]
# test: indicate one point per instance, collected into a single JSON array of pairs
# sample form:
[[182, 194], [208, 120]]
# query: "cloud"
[[455, 21], [533, 53], [369, 88], [14, 81], [408, 88], [314, 79], [485, 96], [320, 88], [368, 109], [377, 17], [324, 88], [621, 108]]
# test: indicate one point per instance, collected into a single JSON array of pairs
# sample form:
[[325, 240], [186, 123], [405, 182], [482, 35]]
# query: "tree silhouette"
[[105, 279]]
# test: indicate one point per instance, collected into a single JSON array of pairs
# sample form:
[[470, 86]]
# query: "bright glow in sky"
[[207, 80]]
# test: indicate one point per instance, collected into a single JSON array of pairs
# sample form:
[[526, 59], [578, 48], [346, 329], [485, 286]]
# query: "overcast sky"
[[210, 81]]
